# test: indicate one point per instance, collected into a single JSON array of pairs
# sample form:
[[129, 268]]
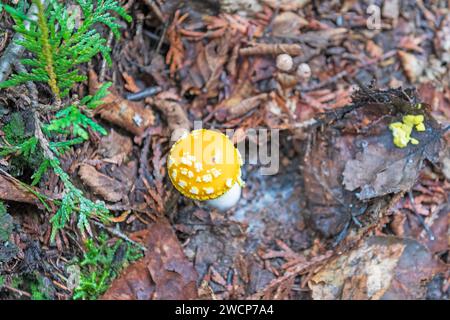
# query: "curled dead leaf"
[[11, 190], [164, 272], [203, 75], [176, 117], [115, 148], [288, 24], [246, 106], [109, 189], [130, 115]]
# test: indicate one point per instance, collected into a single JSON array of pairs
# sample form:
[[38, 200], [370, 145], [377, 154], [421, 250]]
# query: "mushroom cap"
[[284, 62], [204, 164]]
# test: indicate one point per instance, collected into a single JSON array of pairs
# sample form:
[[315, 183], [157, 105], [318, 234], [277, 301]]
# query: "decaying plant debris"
[[351, 159], [169, 274], [382, 268], [348, 215]]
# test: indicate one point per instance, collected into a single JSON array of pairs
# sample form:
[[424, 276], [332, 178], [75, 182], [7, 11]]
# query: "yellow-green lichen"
[[412, 119], [420, 127], [401, 131]]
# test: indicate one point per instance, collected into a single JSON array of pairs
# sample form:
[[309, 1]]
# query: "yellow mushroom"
[[204, 165], [401, 131], [413, 120], [420, 127]]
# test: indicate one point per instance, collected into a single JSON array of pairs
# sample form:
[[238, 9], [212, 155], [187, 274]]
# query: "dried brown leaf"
[[109, 189], [176, 117], [115, 148], [164, 272], [381, 168], [246, 106], [203, 75], [11, 190], [132, 116], [288, 24], [407, 225]]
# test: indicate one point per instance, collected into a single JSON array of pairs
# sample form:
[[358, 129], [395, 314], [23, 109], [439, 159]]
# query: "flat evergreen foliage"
[[22, 145], [74, 201], [73, 117], [59, 39]]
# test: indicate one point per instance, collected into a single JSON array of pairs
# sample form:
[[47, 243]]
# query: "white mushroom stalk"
[[228, 200]]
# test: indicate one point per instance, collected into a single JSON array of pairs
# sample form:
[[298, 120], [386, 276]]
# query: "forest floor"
[[181, 61]]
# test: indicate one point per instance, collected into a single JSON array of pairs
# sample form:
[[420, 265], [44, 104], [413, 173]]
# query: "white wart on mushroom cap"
[[204, 164]]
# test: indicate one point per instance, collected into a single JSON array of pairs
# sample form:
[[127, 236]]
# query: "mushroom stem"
[[227, 200]]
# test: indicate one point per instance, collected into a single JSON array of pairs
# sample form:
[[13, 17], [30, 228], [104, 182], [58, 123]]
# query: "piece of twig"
[[271, 49], [143, 159], [145, 93], [101, 76], [161, 40], [345, 73], [155, 9], [41, 138], [18, 291], [119, 234]]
